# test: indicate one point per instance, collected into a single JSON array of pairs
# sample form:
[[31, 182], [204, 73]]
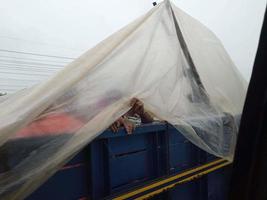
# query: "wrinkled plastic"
[[167, 59]]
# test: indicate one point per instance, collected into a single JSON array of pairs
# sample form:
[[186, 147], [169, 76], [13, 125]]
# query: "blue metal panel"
[[218, 184], [68, 184], [130, 169], [187, 191], [130, 143], [183, 154], [115, 162], [132, 160], [99, 169]]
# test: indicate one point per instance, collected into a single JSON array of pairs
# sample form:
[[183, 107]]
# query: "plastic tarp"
[[167, 59]]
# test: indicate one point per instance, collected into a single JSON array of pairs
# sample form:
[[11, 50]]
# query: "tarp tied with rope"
[[167, 59]]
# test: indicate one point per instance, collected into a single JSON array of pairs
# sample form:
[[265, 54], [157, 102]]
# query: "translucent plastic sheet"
[[167, 59]]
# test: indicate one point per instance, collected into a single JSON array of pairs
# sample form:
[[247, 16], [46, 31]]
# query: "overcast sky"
[[67, 28]]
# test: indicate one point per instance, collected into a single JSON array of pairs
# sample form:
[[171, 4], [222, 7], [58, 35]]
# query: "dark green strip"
[[189, 59]]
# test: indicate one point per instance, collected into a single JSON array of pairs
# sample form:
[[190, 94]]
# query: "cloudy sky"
[[39, 37]]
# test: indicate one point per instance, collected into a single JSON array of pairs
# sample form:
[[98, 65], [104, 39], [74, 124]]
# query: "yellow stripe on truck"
[[151, 194], [180, 175]]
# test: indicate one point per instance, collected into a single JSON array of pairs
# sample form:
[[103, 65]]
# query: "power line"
[[4, 66], [7, 91], [17, 86], [14, 85], [35, 54], [16, 79], [28, 74], [28, 67], [39, 43], [31, 63], [42, 60]]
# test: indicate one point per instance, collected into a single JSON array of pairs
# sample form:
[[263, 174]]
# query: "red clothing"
[[53, 124]]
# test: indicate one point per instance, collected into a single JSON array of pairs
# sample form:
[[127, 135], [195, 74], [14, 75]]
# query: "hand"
[[137, 106], [116, 125], [129, 126]]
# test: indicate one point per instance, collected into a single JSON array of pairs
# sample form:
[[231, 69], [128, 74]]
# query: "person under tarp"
[[170, 61], [57, 128], [134, 117]]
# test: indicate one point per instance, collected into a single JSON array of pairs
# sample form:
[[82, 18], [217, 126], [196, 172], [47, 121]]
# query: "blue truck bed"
[[115, 163]]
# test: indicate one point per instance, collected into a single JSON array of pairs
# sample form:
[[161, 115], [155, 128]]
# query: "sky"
[[39, 37]]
